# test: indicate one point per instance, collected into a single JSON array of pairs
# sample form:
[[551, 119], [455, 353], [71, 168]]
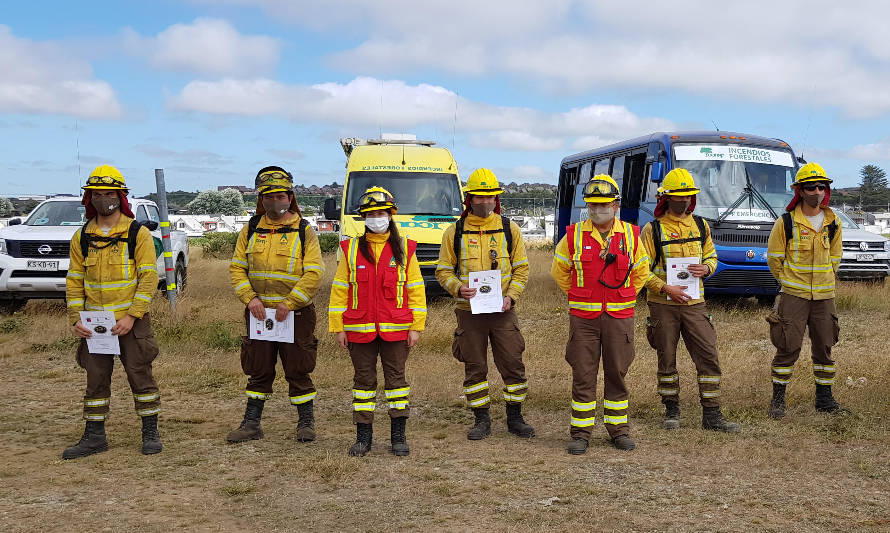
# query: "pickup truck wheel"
[[10, 306], [180, 276]]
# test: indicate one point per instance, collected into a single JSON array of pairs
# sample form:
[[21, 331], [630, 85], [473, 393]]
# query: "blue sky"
[[213, 90]]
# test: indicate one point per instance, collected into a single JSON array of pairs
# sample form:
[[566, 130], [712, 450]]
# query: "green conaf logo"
[[705, 150]]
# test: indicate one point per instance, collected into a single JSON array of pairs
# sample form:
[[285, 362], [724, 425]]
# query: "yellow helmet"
[[273, 179], [483, 182], [376, 199], [810, 172], [601, 189], [106, 177], [679, 182]]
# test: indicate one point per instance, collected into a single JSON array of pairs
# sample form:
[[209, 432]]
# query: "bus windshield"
[[58, 214], [723, 171], [416, 193]]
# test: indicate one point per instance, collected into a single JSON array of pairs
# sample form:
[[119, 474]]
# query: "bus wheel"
[[766, 299]]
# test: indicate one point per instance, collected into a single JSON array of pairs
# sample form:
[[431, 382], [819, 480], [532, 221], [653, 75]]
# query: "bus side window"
[[618, 171], [601, 167], [585, 173]]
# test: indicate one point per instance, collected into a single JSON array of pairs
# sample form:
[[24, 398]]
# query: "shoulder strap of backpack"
[[788, 223], [131, 238], [301, 231], [700, 222], [832, 230], [251, 225], [508, 234], [458, 233], [656, 241], [84, 241]]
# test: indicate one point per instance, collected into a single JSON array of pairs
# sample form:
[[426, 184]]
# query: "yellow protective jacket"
[[273, 268], [805, 264], [562, 267], [108, 279], [476, 249], [413, 285], [674, 227]]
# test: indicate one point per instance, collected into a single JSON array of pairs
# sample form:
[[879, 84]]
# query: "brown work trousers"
[[138, 350], [590, 340], [393, 356], [470, 347], [787, 323], [258, 359], [665, 325]]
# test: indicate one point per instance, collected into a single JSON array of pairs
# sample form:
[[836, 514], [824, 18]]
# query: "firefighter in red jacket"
[[378, 308], [601, 265]]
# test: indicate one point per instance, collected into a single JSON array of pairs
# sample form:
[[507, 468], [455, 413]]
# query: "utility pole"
[[165, 238]]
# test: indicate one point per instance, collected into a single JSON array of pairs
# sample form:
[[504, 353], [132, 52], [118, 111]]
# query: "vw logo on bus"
[[44, 249]]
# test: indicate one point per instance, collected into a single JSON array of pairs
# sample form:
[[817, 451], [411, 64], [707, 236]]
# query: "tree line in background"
[[872, 193]]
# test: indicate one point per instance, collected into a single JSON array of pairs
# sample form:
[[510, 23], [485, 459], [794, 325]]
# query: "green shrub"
[[14, 324], [220, 245], [223, 336], [328, 242]]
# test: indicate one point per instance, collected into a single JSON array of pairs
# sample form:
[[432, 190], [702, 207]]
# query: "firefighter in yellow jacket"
[[676, 232], [601, 266], [277, 265], [484, 240], [804, 253], [378, 309], [118, 274]]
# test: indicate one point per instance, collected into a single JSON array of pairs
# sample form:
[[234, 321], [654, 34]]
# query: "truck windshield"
[[58, 214], [723, 171], [415, 193]]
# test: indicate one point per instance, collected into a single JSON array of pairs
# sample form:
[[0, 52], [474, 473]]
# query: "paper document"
[[678, 274], [100, 323], [271, 329], [489, 298]]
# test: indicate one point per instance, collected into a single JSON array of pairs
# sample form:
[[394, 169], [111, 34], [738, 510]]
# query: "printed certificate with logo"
[[100, 323], [489, 298], [271, 329], [678, 274]]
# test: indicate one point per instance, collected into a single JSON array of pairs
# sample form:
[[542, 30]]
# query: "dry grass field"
[[808, 472]]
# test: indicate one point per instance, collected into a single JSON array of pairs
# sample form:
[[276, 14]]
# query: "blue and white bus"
[[745, 183]]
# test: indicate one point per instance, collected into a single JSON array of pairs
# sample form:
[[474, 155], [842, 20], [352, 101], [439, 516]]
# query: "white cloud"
[[393, 104], [286, 155], [189, 156], [798, 52], [46, 78], [207, 46], [876, 151]]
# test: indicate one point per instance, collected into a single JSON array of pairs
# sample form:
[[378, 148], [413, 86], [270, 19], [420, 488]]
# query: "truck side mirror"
[[331, 212], [150, 224], [14, 221], [655, 172]]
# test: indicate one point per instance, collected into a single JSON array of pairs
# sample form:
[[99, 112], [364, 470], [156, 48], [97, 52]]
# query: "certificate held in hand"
[[489, 298]]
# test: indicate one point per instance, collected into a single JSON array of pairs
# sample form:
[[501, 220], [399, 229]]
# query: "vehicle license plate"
[[43, 265], [865, 257]]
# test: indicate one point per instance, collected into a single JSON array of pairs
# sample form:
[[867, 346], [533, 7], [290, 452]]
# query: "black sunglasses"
[[813, 187]]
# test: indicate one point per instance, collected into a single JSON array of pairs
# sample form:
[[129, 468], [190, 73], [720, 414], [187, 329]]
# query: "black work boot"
[[363, 434], [92, 441], [482, 426], [397, 436], [825, 401], [578, 446], [516, 424], [777, 405], [623, 442], [671, 414], [250, 428], [712, 418], [306, 424], [151, 439]]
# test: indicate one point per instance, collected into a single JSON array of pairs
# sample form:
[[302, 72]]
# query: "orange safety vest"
[[377, 300], [588, 298]]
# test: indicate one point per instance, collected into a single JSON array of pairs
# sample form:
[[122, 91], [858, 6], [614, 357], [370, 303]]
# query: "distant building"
[[240, 188]]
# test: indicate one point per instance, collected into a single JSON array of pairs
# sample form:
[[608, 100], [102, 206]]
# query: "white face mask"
[[601, 215], [377, 224]]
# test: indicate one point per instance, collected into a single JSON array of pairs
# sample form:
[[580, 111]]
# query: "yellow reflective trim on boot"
[[673, 378], [615, 406], [668, 392], [92, 417], [476, 388], [257, 395], [148, 412], [778, 381], [710, 393], [363, 406], [824, 368], [824, 381], [364, 394], [583, 406], [479, 401], [517, 386], [709, 379], [614, 420], [397, 393], [514, 397], [96, 402], [583, 422], [782, 370], [299, 400], [399, 404], [150, 397]]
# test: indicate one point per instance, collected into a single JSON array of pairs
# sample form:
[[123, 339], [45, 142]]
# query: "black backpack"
[[658, 243], [459, 232], [87, 240], [788, 223], [301, 230]]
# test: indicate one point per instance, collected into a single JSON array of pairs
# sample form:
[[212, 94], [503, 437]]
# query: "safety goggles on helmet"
[[374, 200], [107, 181], [273, 175], [600, 191], [274, 181]]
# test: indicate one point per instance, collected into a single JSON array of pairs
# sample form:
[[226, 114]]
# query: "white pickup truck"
[[34, 253]]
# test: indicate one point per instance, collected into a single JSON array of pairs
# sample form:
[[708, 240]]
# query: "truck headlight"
[[3, 247], [886, 246]]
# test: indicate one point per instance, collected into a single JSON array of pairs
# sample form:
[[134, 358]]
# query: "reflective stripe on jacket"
[[805, 265], [579, 265], [108, 279], [385, 299], [273, 268]]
